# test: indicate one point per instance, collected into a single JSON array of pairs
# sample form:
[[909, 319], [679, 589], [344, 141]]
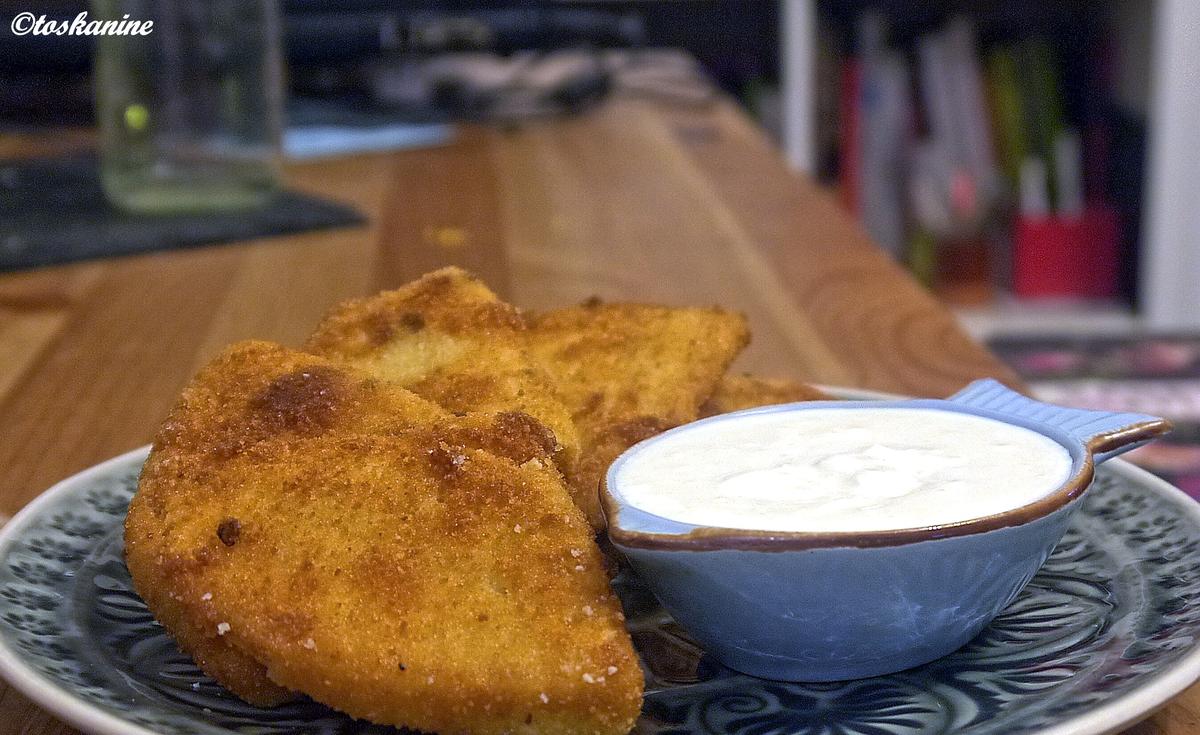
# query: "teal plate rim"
[[1151, 691]]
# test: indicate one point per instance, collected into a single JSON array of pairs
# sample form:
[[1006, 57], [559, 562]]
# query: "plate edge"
[[41, 690], [1110, 717]]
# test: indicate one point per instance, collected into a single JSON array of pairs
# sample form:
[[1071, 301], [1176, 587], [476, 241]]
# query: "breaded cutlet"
[[256, 390], [737, 392], [313, 459], [448, 338], [630, 371], [397, 578]]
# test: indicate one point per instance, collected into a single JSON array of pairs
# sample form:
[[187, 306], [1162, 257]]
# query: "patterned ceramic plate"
[[1106, 632]]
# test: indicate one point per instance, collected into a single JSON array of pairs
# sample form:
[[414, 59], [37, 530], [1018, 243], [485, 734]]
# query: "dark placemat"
[[52, 210]]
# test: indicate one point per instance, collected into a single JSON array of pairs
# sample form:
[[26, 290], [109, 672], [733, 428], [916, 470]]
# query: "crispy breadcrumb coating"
[[630, 371], [302, 527], [450, 339], [737, 392]]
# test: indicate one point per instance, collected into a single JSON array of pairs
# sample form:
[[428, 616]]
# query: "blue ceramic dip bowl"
[[826, 606]]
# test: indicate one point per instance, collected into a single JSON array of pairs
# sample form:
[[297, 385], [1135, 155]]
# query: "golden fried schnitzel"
[[630, 371], [736, 392], [259, 390], [302, 527], [448, 338]]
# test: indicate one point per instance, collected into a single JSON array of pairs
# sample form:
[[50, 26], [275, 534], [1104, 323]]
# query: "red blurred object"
[[1066, 256], [962, 276], [850, 153]]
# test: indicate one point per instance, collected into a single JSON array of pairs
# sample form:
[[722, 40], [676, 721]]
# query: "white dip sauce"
[[864, 469]]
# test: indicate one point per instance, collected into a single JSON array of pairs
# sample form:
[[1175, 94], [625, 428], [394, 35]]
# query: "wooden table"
[[632, 201]]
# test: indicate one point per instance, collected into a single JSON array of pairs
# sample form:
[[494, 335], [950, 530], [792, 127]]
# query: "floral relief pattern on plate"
[[1116, 604]]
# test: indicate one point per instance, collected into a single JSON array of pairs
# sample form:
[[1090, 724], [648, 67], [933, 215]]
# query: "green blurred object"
[[1039, 75], [1008, 113], [922, 256], [190, 115]]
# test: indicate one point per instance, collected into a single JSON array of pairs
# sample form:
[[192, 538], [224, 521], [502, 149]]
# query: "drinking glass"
[[190, 114]]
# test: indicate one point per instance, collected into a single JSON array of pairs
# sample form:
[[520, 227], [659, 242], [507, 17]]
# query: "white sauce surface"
[[862, 469]]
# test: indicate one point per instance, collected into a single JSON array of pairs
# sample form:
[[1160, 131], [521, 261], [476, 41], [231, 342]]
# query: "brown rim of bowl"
[[712, 538]]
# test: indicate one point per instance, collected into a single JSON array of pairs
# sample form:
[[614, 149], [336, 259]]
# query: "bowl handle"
[[1104, 433]]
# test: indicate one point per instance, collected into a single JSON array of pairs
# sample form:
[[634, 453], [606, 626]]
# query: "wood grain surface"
[[631, 201]]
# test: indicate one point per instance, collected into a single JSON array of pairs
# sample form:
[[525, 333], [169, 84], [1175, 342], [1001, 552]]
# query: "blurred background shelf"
[[1114, 79], [1009, 316]]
